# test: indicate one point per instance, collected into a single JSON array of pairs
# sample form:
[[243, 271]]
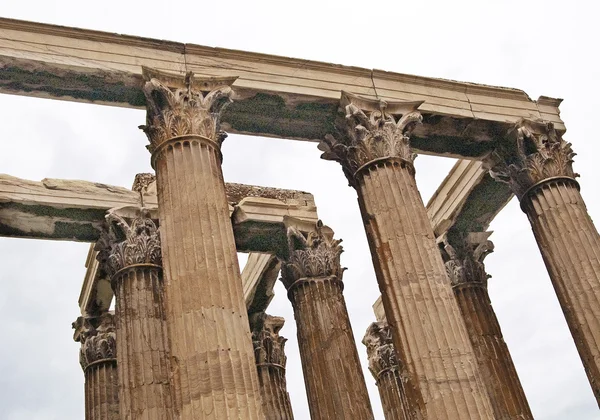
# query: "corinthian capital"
[[127, 243], [380, 348], [179, 106], [268, 344], [372, 130], [311, 255], [98, 339], [464, 257], [540, 154]]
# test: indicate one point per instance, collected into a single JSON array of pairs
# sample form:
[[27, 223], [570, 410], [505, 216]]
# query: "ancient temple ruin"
[[192, 337]]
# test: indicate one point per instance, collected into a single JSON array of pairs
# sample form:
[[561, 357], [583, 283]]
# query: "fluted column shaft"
[[212, 361], [145, 392], [428, 331], [570, 246], [136, 277], [98, 359], [540, 172], [333, 377], [270, 364], [464, 255], [102, 391], [387, 371], [495, 362], [335, 384]]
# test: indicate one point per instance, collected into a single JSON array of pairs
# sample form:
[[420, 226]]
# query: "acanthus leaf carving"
[[380, 349], [372, 130], [190, 108], [269, 346], [124, 244], [541, 153], [316, 254], [464, 260], [98, 339]]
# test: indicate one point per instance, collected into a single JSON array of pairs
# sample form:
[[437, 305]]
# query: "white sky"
[[543, 47]]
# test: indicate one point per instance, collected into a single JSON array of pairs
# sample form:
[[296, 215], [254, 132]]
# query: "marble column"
[[212, 359], [539, 171], [98, 359], [312, 275], [372, 145], [464, 256], [270, 364], [387, 371], [131, 255]]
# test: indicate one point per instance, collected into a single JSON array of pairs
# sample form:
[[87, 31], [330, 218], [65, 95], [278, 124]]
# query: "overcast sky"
[[543, 47]]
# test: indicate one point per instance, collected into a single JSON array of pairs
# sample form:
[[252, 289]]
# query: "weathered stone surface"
[[312, 274], [387, 371], [269, 353], [98, 359], [130, 251], [275, 96], [427, 327], [74, 210], [464, 264], [213, 369], [541, 175]]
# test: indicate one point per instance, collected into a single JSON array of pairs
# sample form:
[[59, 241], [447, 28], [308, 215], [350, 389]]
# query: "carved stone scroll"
[[212, 371], [387, 371], [98, 359], [313, 277], [541, 175], [464, 262], [374, 151]]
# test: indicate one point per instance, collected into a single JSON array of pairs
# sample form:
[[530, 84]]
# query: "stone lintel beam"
[[273, 96], [74, 210]]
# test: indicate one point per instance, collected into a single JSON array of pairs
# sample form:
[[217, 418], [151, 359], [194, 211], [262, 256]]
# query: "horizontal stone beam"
[[274, 96], [74, 210], [467, 200]]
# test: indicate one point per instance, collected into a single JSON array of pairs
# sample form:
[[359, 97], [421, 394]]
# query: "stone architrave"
[[539, 171], [131, 254], [270, 364], [312, 275], [98, 359], [372, 145], [212, 359], [387, 371], [466, 271]]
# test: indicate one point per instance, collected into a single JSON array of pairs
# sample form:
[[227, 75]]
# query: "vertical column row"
[[212, 361], [372, 145], [134, 265], [270, 364], [464, 263], [333, 377], [540, 173], [98, 359], [387, 371]]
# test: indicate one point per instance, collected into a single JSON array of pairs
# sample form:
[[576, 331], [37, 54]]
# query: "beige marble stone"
[[464, 263], [541, 175], [372, 146], [98, 359], [212, 360], [134, 266], [333, 377], [269, 352], [387, 371]]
